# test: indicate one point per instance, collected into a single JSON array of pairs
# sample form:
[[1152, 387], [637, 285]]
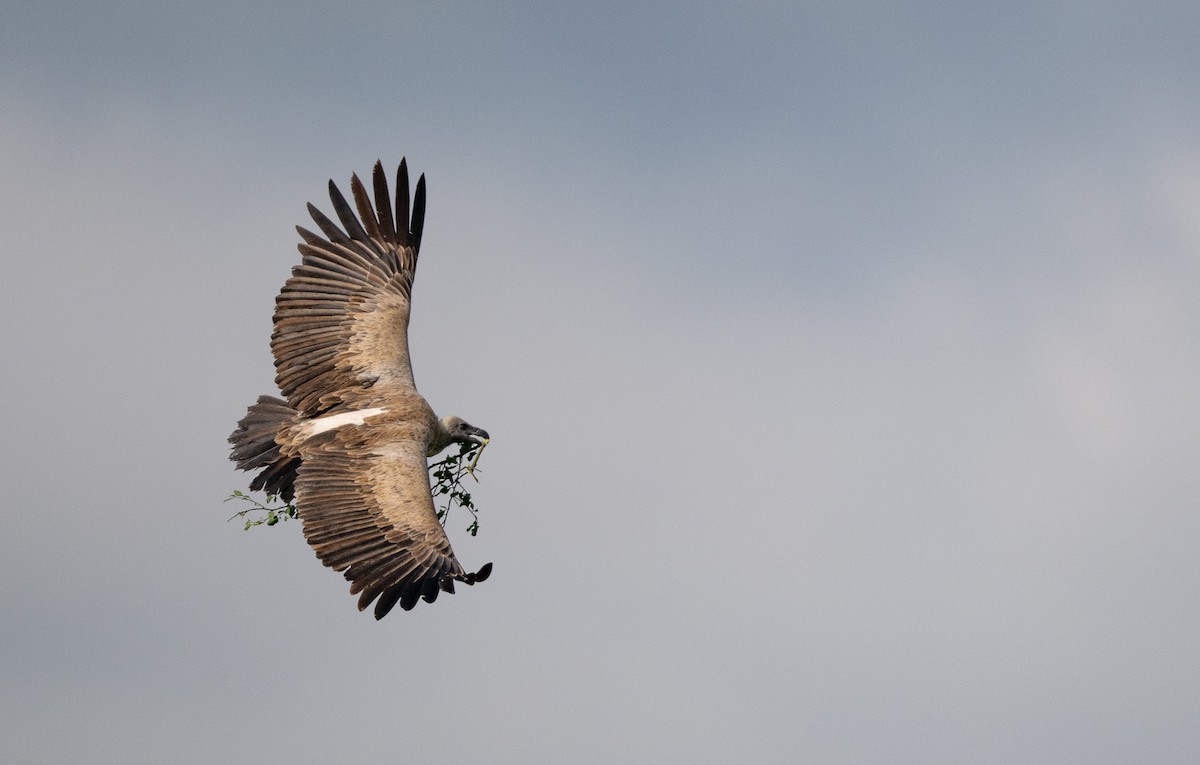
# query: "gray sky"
[[840, 363]]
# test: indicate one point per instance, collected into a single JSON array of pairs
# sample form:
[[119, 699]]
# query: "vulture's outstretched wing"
[[341, 320], [367, 511]]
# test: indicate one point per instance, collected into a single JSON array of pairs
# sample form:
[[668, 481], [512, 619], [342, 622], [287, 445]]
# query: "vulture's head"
[[460, 431]]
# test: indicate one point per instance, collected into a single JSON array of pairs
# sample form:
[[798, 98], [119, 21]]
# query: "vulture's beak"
[[478, 435]]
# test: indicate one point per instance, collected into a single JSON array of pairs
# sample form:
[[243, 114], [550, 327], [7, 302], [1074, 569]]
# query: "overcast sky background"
[[840, 363]]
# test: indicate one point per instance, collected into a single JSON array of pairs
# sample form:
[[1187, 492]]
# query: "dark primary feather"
[[349, 219], [383, 205], [417, 226], [403, 235]]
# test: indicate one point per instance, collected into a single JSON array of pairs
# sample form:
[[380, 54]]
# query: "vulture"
[[348, 442]]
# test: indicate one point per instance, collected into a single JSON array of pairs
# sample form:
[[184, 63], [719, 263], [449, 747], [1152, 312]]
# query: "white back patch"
[[331, 421]]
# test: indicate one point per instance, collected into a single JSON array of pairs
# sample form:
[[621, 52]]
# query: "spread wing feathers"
[[341, 320], [368, 512]]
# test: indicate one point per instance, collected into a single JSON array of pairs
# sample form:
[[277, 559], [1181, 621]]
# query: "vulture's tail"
[[254, 447]]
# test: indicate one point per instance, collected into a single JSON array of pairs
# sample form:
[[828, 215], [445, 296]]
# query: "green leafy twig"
[[448, 474], [271, 512]]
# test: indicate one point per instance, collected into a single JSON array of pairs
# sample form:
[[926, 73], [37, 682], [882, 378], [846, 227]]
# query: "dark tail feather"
[[254, 447]]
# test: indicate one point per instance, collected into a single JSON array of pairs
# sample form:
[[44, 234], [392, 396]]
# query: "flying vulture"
[[348, 446]]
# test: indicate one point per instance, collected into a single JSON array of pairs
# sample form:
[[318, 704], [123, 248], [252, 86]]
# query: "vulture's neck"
[[439, 440]]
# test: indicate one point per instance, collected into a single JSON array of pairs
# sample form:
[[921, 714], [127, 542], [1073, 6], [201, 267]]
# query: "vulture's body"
[[348, 442]]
